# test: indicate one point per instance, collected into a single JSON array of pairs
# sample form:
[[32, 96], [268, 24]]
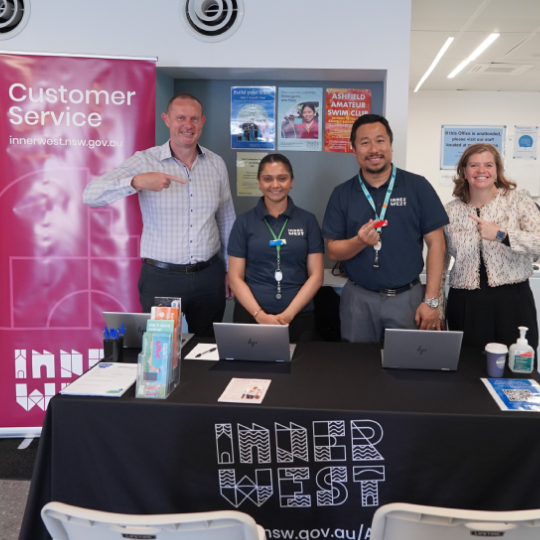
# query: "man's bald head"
[[183, 95]]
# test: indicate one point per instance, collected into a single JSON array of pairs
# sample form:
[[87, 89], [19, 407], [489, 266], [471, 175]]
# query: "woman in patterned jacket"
[[494, 232]]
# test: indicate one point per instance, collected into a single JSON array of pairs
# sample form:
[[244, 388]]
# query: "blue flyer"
[[253, 117], [514, 394]]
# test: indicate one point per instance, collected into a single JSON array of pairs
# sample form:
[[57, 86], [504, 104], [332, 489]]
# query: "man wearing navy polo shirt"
[[383, 261]]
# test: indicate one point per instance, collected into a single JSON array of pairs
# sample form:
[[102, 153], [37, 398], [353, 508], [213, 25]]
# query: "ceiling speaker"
[[14, 15], [212, 20]]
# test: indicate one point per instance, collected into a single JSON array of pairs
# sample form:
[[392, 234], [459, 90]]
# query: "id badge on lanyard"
[[277, 242]]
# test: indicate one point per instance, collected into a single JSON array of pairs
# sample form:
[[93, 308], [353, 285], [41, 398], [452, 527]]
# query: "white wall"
[[342, 34], [428, 110]]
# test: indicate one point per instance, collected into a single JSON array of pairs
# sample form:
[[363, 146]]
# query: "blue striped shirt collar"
[[166, 153]]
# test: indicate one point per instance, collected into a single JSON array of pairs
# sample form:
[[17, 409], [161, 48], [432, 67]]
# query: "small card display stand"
[[158, 372]]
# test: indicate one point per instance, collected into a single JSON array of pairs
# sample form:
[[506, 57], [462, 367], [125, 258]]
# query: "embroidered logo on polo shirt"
[[295, 232], [398, 201]]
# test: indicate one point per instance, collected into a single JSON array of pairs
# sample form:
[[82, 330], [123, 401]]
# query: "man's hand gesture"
[[154, 181], [368, 235]]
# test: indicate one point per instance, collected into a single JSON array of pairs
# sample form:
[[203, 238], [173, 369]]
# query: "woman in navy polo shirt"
[[276, 256]]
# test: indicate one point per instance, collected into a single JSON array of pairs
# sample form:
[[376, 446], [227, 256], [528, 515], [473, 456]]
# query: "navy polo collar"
[[261, 211], [369, 186]]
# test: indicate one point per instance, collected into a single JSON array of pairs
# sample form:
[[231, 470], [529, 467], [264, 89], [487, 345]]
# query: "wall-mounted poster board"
[[454, 140]]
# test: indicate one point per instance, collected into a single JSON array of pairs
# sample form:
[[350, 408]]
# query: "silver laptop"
[[135, 325], [260, 342], [421, 349]]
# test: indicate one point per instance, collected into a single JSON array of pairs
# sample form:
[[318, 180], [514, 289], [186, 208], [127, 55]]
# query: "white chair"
[[66, 522], [400, 521]]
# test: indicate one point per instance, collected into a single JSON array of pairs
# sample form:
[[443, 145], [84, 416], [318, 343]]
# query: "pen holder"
[[113, 349]]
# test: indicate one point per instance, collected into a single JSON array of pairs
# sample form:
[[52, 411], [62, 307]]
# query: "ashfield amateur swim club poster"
[[343, 107]]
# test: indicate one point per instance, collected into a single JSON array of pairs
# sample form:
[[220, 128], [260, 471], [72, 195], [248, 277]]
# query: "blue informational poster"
[[454, 140], [514, 394], [299, 119], [253, 124]]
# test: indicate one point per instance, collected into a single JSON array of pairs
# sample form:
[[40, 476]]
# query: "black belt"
[[183, 268], [405, 288], [394, 292]]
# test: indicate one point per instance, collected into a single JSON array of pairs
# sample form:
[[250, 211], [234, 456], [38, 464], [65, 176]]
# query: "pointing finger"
[[176, 179], [476, 218]]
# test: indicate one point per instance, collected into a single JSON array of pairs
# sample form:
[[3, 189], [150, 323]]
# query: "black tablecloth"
[[336, 437]]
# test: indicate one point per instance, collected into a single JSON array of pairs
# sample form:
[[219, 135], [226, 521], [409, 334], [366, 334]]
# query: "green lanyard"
[[378, 246], [278, 275], [278, 247]]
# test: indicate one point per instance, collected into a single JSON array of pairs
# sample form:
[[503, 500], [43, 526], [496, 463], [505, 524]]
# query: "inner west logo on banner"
[[71, 366], [327, 442]]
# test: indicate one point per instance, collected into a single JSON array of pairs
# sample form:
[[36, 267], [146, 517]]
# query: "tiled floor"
[[13, 495]]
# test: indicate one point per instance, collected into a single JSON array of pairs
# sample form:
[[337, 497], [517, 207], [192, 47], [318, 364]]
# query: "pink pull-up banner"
[[64, 121]]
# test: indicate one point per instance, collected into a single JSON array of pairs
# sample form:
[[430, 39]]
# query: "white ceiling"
[[470, 22]]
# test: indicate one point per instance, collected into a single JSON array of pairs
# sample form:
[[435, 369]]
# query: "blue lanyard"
[[386, 199], [377, 247]]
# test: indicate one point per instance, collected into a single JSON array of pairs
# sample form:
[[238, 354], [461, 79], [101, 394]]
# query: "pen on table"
[[106, 333], [114, 334], [122, 330], [205, 352]]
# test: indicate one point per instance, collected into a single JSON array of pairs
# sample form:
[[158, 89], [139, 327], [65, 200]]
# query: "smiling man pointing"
[[377, 223], [187, 212]]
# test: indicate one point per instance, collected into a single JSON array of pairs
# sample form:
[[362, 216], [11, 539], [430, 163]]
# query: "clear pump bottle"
[[521, 355]]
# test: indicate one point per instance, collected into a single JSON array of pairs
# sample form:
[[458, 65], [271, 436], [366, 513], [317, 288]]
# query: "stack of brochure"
[[158, 364]]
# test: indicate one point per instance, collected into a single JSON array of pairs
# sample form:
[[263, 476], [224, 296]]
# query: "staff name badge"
[[280, 242]]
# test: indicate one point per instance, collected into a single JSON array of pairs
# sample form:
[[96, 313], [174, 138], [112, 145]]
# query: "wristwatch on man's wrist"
[[433, 303], [500, 236]]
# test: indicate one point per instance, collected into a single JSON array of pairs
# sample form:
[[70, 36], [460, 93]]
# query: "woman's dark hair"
[[312, 107], [461, 188], [370, 119], [275, 158]]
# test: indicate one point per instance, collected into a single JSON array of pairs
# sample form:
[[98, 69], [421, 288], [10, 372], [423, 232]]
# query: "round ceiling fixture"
[[212, 20], [14, 15]]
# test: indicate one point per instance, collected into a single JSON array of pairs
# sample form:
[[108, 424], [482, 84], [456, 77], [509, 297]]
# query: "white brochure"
[[106, 379], [245, 390]]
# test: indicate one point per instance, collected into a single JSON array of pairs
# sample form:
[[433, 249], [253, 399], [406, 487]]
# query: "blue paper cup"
[[496, 359]]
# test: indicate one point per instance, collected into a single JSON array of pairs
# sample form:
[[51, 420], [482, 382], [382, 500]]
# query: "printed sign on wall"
[[300, 119], [454, 140], [253, 111], [343, 107], [525, 142]]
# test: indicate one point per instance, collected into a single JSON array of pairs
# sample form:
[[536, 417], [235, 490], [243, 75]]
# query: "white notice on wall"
[[447, 178], [525, 142]]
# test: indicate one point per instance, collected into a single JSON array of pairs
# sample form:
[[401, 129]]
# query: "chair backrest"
[[66, 522], [400, 521]]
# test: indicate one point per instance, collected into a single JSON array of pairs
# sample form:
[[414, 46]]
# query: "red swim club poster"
[[343, 107], [63, 121]]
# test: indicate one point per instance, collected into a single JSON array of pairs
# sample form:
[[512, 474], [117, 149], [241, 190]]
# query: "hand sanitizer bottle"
[[521, 356]]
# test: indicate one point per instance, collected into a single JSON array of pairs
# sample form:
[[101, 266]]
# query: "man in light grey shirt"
[[187, 212]]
